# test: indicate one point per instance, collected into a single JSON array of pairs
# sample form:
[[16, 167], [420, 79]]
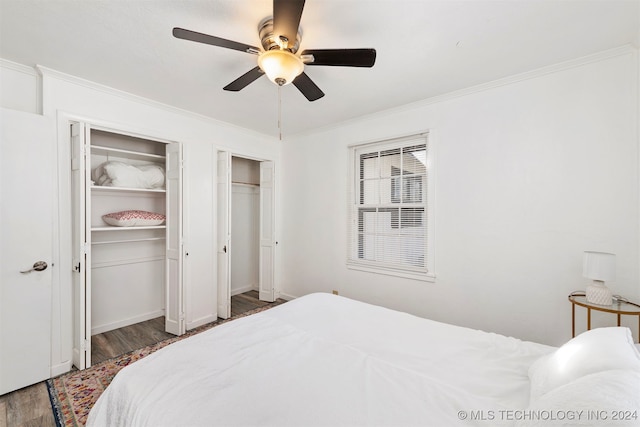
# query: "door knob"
[[37, 266]]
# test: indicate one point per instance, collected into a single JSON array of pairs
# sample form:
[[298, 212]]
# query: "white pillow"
[[133, 218], [597, 350], [605, 398], [125, 175]]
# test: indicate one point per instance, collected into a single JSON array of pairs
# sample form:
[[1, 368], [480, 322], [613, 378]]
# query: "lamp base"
[[598, 293]]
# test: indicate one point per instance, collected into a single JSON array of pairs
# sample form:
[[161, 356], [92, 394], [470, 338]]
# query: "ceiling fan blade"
[[308, 87], [286, 18], [244, 80], [342, 57], [181, 33]]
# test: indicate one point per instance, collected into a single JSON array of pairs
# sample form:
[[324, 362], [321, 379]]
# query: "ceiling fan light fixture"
[[278, 58], [280, 66]]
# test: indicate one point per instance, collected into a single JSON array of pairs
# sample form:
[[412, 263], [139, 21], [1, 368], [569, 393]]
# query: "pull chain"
[[280, 112]]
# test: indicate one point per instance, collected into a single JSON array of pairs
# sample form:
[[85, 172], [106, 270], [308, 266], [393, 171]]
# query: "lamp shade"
[[599, 266], [281, 66]]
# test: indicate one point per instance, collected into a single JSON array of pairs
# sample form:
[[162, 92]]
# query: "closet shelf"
[[101, 189], [98, 149], [113, 228], [149, 239]]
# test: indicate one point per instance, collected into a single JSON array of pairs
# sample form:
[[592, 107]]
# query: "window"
[[390, 208]]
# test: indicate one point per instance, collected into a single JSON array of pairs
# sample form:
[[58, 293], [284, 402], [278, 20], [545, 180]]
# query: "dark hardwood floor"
[[27, 407], [119, 341], [247, 301], [30, 406]]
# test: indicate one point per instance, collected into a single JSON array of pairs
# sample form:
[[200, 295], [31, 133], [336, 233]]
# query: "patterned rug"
[[73, 394]]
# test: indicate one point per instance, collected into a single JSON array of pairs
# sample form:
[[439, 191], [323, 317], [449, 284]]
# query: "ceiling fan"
[[278, 58]]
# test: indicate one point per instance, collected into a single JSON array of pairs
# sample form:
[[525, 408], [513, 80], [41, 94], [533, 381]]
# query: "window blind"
[[388, 205]]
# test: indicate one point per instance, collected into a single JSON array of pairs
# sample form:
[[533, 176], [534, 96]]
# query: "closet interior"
[[123, 215], [245, 225]]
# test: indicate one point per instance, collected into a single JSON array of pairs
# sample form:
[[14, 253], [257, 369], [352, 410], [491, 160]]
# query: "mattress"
[[324, 360]]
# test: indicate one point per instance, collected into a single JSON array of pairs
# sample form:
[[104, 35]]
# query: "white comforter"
[[324, 360]]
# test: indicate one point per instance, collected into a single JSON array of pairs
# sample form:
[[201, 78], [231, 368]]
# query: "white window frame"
[[426, 274]]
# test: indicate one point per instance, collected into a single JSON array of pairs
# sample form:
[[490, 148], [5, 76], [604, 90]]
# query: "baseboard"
[[202, 321], [61, 368], [75, 357], [126, 322], [243, 289], [285, 296]]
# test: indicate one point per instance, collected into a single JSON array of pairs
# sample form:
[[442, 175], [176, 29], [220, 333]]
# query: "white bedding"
[[324, 360], [119, 174]]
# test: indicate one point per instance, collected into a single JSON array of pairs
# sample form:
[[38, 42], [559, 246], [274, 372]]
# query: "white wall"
[[67, 96], [530, 172], [19, 87], [64, 96]]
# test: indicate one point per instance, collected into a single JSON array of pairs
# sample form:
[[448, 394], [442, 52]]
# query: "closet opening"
[[245, 225], [246, 232], [127, 233]]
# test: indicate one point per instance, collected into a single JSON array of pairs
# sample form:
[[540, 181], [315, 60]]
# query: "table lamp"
[[601, 267]]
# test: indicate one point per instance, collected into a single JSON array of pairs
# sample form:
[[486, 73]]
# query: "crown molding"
[[49, 72], [40, 71], [516, 78], [21, 68]]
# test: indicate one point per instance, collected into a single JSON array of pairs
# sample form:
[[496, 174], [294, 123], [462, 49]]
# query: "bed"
[[326, 360]]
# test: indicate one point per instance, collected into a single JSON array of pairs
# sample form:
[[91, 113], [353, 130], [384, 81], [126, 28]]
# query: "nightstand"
[[619, 308]]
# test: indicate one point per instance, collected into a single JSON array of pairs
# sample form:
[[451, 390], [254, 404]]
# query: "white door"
[[267, 232], [81, 244], [199, 269], [224, 234], [26, 225], [174, 308]]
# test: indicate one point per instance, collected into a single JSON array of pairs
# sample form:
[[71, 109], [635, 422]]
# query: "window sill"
[[405, 274]]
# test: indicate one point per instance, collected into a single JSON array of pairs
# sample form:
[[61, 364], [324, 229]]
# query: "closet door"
[[200, 288], [224, 234], [81, 244], [267, 232], [27, 186], [174, 309]]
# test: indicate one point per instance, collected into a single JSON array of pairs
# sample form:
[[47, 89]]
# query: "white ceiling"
[[424, 48]]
